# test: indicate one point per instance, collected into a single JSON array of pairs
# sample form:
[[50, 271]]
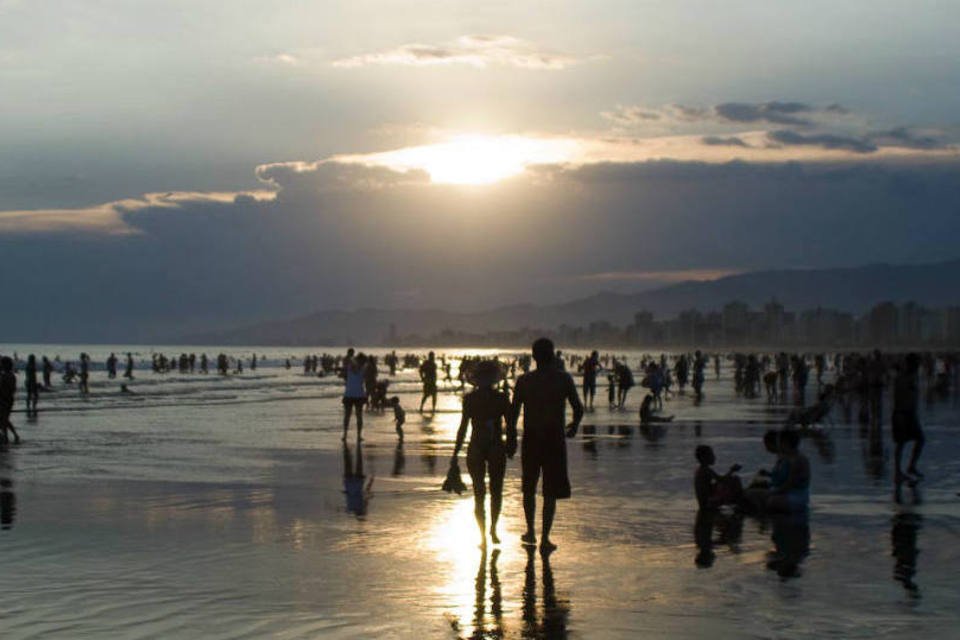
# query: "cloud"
[[630, 115], [723, 141], [110, 218], [184, 261], [909, 139], [783, 113], [786, 137], [790, 113], [329, 175], [478, 51], [283, 58]]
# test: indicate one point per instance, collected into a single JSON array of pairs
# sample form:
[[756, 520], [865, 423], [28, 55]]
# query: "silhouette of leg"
[[549, 510], [497, 471], [917, 450], [529, 514], [347, 410]]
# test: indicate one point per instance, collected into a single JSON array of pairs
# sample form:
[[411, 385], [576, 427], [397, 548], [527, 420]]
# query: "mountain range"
[[852, 290]]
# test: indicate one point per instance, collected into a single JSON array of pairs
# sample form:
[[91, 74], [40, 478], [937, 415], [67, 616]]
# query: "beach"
[[203, 506]]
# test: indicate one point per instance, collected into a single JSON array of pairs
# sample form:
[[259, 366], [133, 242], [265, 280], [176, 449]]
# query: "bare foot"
[[493, 537], [547, 547], [528, 539]]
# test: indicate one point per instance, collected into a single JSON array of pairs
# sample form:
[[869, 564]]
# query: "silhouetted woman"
[[487, 410]]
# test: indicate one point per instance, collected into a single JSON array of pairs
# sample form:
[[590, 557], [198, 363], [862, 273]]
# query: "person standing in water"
[[33, 387], [487, 410], [112, 366], [128, 373], [542, 395], [590, 367], [906, 424], [428, 374], [354, 396], [8, 389], [84, 374], [47, 373]]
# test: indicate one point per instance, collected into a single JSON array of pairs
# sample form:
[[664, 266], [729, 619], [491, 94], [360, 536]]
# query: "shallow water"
[[205, 507]]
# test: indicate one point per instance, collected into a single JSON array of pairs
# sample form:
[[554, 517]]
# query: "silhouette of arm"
[[514, 417], [574, 399], [461, 433]]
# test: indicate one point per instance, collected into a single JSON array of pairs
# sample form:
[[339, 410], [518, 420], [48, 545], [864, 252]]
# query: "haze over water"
[[212, 507]]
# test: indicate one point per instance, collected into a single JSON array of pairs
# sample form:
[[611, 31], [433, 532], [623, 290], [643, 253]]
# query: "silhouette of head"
[[705, 455], [771, 441], [789, 440], [543, 351], [486, 374], [395, 400]]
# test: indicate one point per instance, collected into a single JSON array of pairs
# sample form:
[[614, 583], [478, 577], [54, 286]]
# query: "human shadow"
[[485, 627], [357, 494], [552, 618], [903, 538], [399, 460], [8, 504]]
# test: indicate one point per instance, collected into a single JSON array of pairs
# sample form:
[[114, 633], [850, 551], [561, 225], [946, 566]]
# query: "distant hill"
[[850, 289]]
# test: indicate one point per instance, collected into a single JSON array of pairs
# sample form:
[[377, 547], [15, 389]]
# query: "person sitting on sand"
[[646, 412], [712, 489], [790, 479], [487, 410]]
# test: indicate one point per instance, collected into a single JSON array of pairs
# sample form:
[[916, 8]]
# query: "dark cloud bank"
[[342, 237]]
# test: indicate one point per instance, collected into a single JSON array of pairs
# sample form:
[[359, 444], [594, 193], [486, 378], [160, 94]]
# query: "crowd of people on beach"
[[508, 387]]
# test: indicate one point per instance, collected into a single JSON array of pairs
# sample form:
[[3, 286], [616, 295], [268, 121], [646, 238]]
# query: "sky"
[[169, 167]]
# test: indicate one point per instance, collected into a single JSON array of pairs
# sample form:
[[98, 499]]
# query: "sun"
[[475, 159]]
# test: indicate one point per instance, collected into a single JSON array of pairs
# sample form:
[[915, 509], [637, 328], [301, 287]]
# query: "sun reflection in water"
[[472, 583]]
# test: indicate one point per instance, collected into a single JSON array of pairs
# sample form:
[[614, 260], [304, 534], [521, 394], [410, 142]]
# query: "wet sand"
[[224, 516]]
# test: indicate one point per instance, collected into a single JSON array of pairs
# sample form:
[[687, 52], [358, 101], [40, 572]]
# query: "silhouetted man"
[[428, 375], [543, 394]]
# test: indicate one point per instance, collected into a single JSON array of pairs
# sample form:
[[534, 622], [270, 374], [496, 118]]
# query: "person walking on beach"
[[112, 366], [47, 373], [906, 424], [590, 367], [428, 375], [33, 386], [354, 396], [8, 389], [487, 410], [128, 373], [84, 374], [542, 394]]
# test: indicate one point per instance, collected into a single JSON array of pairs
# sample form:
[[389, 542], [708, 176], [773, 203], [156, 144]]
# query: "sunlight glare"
[[474, 159]]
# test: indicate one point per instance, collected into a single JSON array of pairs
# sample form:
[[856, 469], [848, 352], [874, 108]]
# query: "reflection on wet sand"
[[903, 537], [550, 621], [8, 504], [485, 626], [357, 495], [399, 460]]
